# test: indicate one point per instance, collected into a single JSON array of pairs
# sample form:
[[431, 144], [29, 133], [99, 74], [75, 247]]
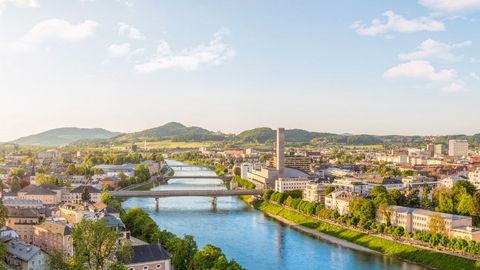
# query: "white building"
[[448, 182], [338, 200], [245, 168], [458, 148], [314, 192], [474, 177], [351, 185], [288, 184]]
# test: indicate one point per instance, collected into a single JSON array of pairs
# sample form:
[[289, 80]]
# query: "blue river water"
[[255, 241]]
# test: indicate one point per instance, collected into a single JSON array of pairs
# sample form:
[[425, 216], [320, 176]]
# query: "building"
[[42, 193], [474, 177], [314, 192], [148, 257], [431, 149], [113, 170], [458, 148], [73, 213], [449, 181], [76, 194], [23, 256], [280, 158], [339, 200], [263, 177], [301, 163], [388, 183], [350, 184], [438, 150], [51, 154], [52, 235], [22, 220], [414, 219], [23, 203], [289, 184], [245, 168]]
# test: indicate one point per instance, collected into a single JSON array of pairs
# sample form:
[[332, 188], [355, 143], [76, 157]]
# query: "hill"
[[173, 130], [64, 136]]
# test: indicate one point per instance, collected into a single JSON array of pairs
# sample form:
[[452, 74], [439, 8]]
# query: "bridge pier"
[[214, 203], [157, 205]]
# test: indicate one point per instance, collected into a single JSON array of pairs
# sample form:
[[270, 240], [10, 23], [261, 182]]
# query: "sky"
[[363, 67]]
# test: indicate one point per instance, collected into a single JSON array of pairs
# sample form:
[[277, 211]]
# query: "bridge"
[[224, 178], [156, 194], [181, 167]]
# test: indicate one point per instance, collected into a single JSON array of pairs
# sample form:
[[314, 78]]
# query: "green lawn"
[[405, 252]]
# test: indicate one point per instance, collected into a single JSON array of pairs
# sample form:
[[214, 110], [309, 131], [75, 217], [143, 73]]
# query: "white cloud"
[[212, 53], [4, 4], [454, 87], [129, 31], [118, 50], [397, 23], [421, 70], [474, 75], [431, 49], [54, 29], [451, 6]]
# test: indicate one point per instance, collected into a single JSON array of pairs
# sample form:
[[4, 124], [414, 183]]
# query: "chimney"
[[280, 166]]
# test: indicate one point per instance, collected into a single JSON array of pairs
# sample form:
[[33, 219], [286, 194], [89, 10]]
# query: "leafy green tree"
[[426, 203], [95, 244], [329, 189], [142, 173], [86, 195], [465, 205], [412, 198], [362, 209], [445, 203], [182, 251], [386, 211], [397, 197], [57, 260], [267, 194], [237, 171]]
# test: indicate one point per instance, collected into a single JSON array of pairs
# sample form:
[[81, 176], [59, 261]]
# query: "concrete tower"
[[280, 166]]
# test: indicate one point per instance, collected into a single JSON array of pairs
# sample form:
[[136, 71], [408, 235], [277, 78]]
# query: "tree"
[[386, 211], [237, 171], [142, 173], [95, 244], [397, 197], [436, 224], [412, 198], [57, 260], [86, 195], [267, 194], [362, 209], [211, 257], [445, 203], [465, 205], [182, 251], [3, 219], [426, 203], [329, 189]]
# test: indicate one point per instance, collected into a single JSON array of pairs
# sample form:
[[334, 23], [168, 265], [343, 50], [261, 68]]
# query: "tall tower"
[[280, 166]]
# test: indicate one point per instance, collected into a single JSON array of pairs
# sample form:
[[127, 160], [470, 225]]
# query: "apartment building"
[[314, 192], [52, 235], [350, 184], [288, 184], [458, 148], [47, 194], [301, 163], [414, 219], [339, 200], [474, 177], [23, 256], [23, 220], [148, 257]]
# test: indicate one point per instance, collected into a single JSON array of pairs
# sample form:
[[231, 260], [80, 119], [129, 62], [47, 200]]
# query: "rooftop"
[[147, 253]]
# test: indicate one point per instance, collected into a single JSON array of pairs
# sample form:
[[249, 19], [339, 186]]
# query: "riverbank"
[[368, 243]]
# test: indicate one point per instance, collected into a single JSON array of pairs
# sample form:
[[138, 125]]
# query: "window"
[[145, 268], [159, 266]]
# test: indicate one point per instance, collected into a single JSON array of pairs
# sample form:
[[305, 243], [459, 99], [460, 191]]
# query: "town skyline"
[[413, 69]]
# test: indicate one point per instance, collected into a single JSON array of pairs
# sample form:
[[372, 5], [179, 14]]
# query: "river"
[[255, 241]]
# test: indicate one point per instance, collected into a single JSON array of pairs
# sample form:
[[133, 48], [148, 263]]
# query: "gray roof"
[[17, 201], [22, 250], [36, 190], [91, 189], [147, 253]]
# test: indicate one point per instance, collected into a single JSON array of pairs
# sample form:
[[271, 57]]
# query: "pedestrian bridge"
[[224, 178]]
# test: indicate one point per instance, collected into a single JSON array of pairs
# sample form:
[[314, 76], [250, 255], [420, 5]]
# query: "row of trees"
[[141, 174], [244, 183], [120, 158]]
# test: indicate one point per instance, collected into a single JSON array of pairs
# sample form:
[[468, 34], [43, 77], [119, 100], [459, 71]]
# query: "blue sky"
[[378, 67]]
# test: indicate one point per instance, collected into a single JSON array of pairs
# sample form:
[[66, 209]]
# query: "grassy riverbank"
[[424, 257]]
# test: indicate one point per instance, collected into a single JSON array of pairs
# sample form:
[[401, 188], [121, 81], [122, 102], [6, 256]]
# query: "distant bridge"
[[182, 167], [156, 194], [224, 178]]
